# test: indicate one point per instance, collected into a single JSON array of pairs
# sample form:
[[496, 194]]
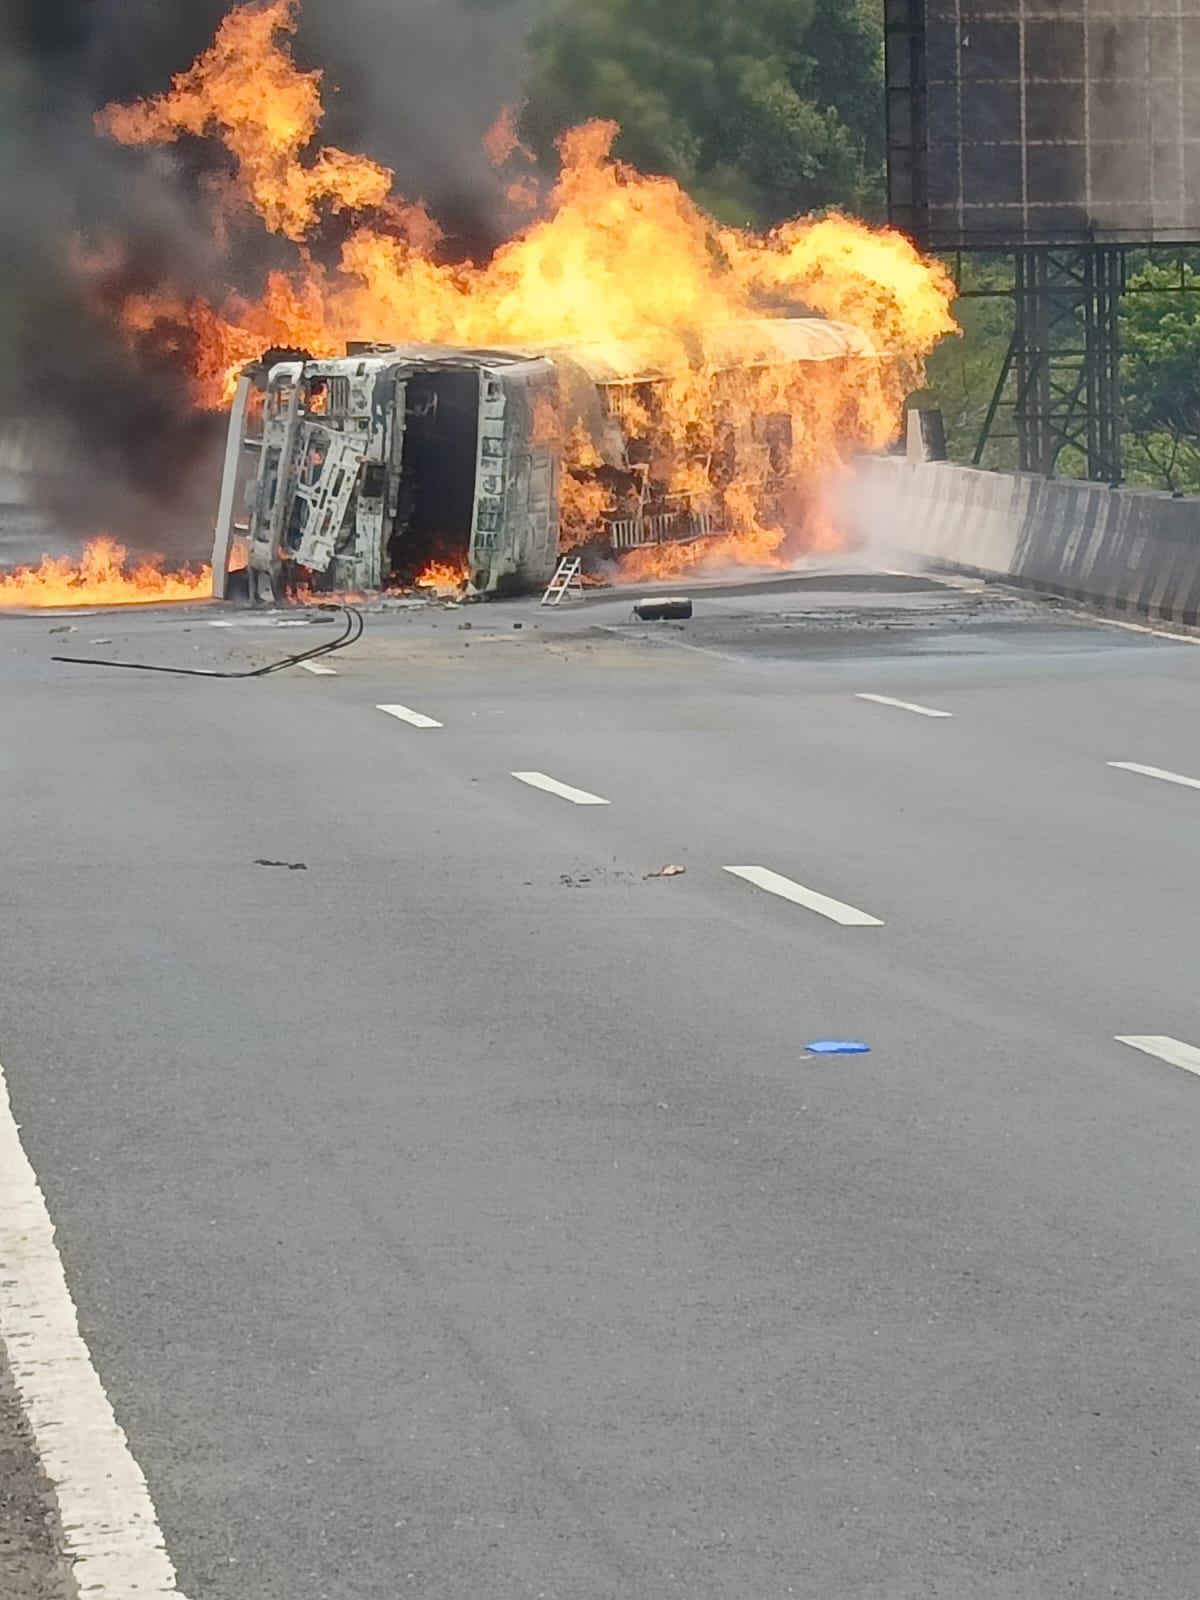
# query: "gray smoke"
[[413, 83], [419, 83]]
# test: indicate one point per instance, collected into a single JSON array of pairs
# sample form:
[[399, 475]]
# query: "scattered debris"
[[107, 641], [518, 626], [669, 609], [599, 877], [67, 627], [838, 1047], [291, 866], [667, 872]]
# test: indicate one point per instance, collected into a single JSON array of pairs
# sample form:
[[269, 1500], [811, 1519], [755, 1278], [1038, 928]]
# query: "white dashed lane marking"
[[577, 797], [1157, 772], [108, 1520], [822, 904], [1174, 1051], [904, 705], [415, 719]]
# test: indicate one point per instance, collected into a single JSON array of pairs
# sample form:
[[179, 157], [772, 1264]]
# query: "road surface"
[[452, 1207]]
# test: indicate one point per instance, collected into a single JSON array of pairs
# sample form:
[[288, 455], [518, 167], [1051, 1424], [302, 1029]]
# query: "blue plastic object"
[[838, 1047]]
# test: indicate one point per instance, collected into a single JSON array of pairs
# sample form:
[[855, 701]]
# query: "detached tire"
[[676, 609]]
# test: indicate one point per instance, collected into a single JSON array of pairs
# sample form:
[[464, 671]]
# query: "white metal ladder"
[[566, 577]]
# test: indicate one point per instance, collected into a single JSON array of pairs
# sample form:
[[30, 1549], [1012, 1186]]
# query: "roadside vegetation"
[[762, 110]]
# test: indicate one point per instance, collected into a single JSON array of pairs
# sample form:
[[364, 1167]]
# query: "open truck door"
[[514, 534]]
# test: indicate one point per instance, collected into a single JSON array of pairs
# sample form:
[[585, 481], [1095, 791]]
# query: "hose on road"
[[351, 633]]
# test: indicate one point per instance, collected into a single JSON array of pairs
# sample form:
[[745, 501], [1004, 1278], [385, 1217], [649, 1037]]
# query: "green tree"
[[840, 66], [1160, 376], [763, 110], [962, 373]]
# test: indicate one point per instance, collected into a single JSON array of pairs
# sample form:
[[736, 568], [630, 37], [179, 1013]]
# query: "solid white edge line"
[[1156, 772], [904, 705], [1174, 1051], [822, 904], [415, 719], [577, 797], [945, 580], [109, 1524], [319, 670], [954, 582], [1141, 627]]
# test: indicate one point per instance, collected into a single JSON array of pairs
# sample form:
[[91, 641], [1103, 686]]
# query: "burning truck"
[[363, 472], [622, 375]]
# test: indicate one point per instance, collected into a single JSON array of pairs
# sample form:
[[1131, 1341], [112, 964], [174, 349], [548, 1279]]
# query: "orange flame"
[[445, 577], [101, 577], [619, 261], [502, 141], [247, 91], [503, 147]]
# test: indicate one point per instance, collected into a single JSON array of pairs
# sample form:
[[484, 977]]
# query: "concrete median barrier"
[[1127, 549]]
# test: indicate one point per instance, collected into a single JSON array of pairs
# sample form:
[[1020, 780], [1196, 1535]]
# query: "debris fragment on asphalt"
[[667, 872], [838, 1047], [291, 866]]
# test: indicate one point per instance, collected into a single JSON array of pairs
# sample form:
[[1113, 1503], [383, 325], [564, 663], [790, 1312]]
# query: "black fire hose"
[[351, 633]]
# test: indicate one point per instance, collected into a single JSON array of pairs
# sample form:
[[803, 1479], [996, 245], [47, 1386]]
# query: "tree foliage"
[[1160, 375], [763, 109], [962, 372]]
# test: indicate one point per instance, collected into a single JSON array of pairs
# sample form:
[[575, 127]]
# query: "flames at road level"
[[103, 577], [443, 577], [609, 257]]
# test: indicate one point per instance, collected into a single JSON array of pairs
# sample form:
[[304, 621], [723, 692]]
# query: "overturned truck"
[[362, 472]]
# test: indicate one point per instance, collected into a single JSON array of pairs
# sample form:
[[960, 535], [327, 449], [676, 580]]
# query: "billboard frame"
[[1015, 124], [1060, 380], [904, 89]]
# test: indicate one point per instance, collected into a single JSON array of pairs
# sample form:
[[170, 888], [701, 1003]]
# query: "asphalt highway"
[[452, 1205]]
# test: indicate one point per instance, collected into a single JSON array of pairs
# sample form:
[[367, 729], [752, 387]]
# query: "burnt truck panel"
[[356, 473], [514, 535]]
